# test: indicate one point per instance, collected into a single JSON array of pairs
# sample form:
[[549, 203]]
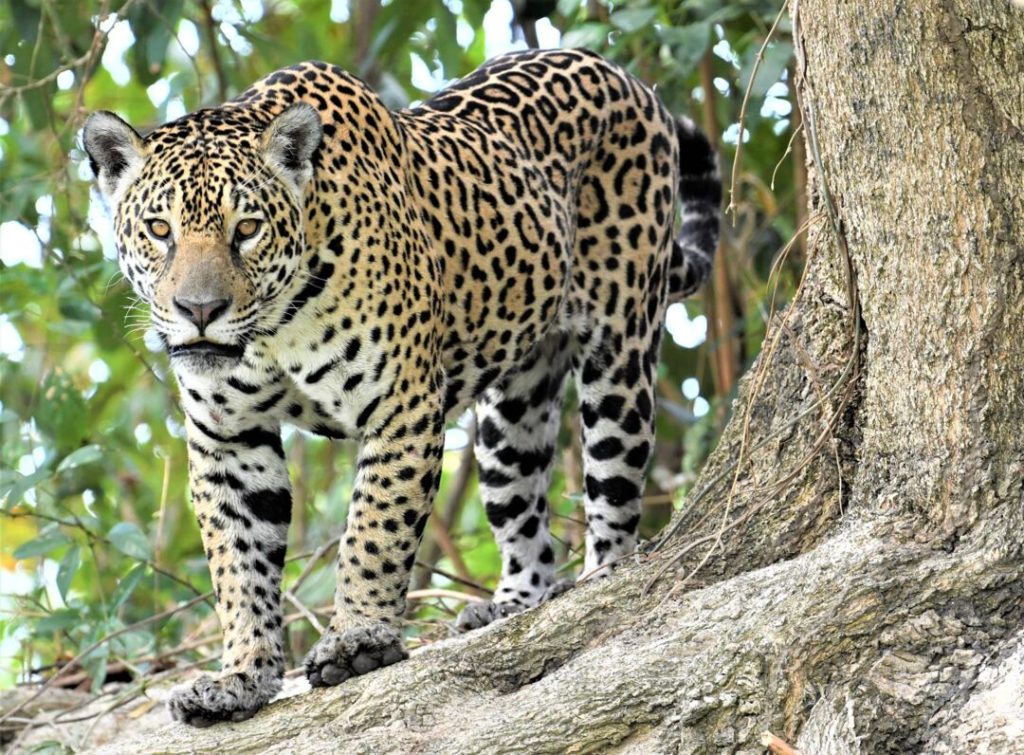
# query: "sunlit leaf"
[[569, 8], [68, 566], [80, 457], [14, 486], [128, 538], [63, 618], [776, 57], [591, 36], [688, 43], [126, 586], [633, 19], [41, 545]]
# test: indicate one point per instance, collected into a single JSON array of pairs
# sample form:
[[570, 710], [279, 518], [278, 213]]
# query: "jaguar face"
[[208, 220]]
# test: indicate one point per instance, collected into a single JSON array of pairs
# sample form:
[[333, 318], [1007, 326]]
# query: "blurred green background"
[[95, 521]]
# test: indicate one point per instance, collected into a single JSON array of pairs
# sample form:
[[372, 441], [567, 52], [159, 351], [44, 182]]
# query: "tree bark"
[[849, 571]]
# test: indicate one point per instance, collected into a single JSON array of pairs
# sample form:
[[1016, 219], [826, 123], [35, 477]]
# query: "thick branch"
[[714, 668]]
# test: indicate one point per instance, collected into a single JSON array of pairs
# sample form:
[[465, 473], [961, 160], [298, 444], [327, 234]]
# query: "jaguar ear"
[[290, 140], [115, 152]]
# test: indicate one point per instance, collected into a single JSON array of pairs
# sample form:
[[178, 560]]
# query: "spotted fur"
[[515, 228]]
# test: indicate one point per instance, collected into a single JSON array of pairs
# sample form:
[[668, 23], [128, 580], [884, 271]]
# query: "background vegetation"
[[101, 569]]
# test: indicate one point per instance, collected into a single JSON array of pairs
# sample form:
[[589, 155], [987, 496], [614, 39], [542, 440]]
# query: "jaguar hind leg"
[[616, 390], [517, 429]]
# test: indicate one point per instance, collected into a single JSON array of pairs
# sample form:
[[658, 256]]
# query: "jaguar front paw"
[[207, 700], [343, 654]]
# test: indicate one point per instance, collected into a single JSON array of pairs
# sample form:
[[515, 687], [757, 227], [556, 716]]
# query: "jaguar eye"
[[246, 229], [160, 229]]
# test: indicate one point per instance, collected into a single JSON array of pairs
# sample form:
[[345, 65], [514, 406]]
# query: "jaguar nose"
[[201, 313]]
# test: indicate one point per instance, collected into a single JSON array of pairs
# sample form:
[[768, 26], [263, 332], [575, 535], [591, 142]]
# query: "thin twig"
[[444, 541], [455, 578], [211, 37], [441, 521], [743, 111], [728, 468], [776, 745], [313, 556], [309, 615], [436, 592], [789, 149]]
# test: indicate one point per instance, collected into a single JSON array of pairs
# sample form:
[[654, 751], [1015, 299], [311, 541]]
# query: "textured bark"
[[883, 642], [921, 128], [861, 587]]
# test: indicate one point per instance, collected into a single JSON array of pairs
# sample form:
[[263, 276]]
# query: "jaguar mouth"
[[207, 349]]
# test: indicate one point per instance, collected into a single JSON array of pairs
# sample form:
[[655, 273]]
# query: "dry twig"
[[777, 746], [743, 109]]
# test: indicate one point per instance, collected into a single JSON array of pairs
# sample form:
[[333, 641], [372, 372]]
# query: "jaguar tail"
[[700, 194]]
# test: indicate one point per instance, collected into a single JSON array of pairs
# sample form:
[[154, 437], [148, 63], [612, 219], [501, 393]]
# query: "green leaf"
[[445, 40], [126, 586], [13, 486], [133, 643], [78, 308], [714, 11], [80, 457], [475, 10], [153, 26], [128, 538], [41, 545], [62, 412], [633, 19], [776, 57], [34, 58], [96, 666], [688, 43], [63, 618], [593, 36], [393, 27], [68, 566], [570, 9]]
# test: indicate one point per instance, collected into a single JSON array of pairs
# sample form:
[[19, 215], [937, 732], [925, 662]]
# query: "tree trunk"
[[849, 572]]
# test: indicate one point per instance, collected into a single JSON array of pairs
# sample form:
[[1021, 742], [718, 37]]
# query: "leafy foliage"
[[97, 534]]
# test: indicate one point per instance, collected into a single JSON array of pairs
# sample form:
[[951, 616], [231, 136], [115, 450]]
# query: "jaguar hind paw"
[[477, 615]]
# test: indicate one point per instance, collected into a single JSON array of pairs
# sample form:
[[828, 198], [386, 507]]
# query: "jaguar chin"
[[206, 356]]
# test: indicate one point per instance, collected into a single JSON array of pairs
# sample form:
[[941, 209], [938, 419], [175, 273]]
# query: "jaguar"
[[314, 258]]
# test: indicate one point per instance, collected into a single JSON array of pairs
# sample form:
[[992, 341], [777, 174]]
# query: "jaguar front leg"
[[398, 473], [242, 499]]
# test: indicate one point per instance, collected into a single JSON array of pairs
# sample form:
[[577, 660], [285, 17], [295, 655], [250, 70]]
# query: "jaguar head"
[[209, 221]]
